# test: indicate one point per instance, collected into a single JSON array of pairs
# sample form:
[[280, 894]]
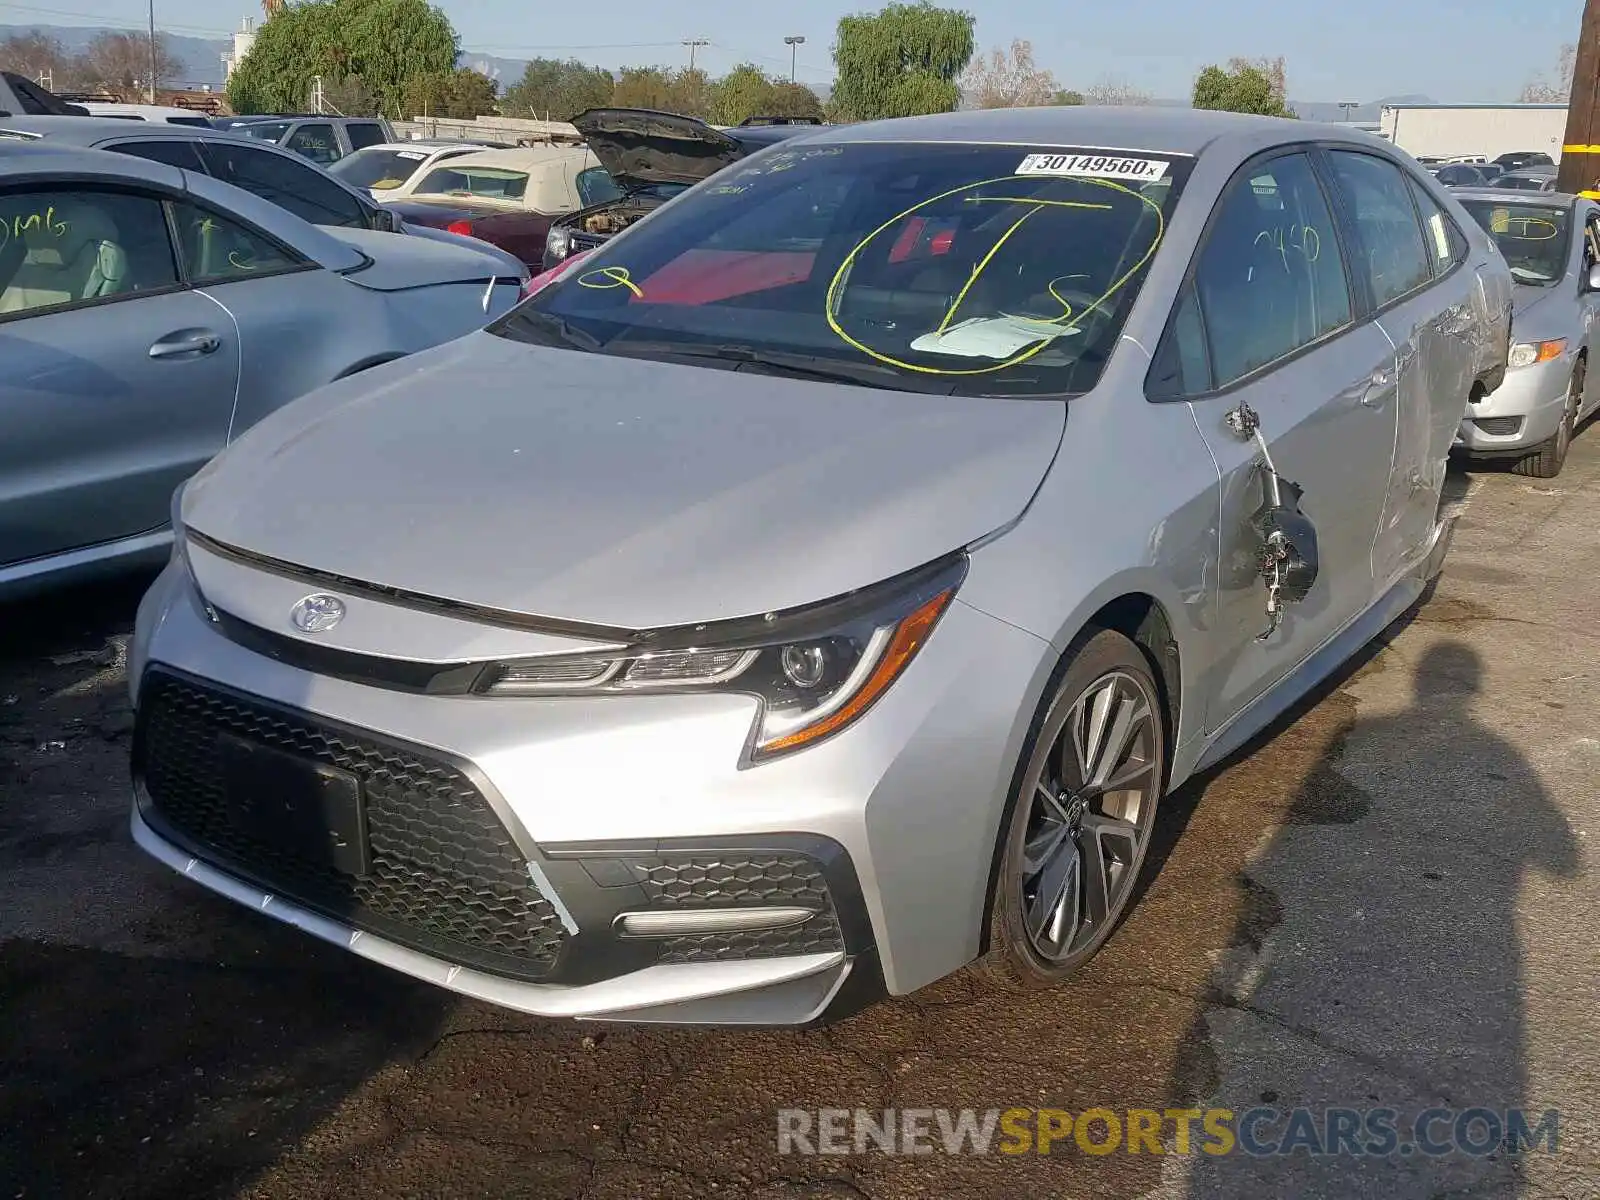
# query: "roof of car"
[[1170, 130], [22, 158], [1514, 196], [86, 131], [422, 144], [518, 158]]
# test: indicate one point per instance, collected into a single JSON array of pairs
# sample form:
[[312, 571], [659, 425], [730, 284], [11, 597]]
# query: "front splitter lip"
[[653, 988]]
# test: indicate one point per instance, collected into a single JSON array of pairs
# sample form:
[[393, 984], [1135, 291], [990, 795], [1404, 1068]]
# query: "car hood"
[[619, 492], [1530, 302], [507, 263], [442, 210], [638, 146], [397, 261]]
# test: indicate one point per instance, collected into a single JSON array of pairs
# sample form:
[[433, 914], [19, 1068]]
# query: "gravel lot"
[[1391, 901]]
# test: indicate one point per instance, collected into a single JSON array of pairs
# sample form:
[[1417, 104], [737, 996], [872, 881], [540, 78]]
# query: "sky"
[[1347, 50]]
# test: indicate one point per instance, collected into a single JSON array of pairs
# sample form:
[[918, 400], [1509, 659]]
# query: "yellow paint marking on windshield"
[[836, 285], [1528, 229], [615, 277], [1030, 200], [983, 265]]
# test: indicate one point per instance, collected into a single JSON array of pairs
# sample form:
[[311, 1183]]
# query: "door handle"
[[1379, 385], [182, 345]]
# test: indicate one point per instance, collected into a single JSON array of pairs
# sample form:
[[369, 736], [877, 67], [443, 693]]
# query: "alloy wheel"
[[1092, 800]]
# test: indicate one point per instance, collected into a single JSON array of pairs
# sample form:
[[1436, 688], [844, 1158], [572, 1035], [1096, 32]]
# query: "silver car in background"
[[818, 586], [1551, 242], [149, 315]]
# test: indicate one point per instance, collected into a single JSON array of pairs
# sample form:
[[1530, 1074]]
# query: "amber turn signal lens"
[[908, 638]]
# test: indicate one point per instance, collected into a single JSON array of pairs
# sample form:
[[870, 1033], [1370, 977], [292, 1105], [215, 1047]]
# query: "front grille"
[[1498, 426], [746, 879], [445, 876]]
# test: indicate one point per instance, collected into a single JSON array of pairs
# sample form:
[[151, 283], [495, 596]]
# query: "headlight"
[[814, 670], [557, 243], [1525, 354]]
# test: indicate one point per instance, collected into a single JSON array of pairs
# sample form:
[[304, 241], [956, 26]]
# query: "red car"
[[508, 197]]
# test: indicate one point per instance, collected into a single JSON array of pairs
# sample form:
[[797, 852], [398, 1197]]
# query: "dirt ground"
[[1391, 901]]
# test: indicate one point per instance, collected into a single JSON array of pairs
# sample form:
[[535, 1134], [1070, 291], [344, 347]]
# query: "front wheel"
[[1081, 820], [1546, 462]]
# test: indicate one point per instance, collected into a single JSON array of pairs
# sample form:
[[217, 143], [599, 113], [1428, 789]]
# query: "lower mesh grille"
[[742, 880], [1498, 426], [445, 876]]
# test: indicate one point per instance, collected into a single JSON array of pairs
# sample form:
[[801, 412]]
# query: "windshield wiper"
[[542, 329]]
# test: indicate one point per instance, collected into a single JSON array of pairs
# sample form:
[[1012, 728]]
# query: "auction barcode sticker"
[[1093, 166]]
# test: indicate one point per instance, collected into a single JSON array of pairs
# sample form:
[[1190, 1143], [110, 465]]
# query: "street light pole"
[[1580, 156], [152, 88], [693, 43], [794, 44], [1348, 107]]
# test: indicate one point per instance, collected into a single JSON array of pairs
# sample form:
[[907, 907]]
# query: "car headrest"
[[62, 231]]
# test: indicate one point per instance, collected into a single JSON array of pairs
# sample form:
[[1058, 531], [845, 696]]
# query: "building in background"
[[242, 41], [1446, 130]]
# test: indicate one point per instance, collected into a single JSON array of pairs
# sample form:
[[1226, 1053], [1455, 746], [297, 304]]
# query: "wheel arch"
[[1143, 619]]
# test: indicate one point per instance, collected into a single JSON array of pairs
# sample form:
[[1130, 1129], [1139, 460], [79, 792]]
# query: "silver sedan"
[[819, 586], [1552, 243], [149, 315]]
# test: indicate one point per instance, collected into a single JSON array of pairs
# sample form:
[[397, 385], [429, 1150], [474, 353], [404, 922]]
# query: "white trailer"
[[1449, 130]]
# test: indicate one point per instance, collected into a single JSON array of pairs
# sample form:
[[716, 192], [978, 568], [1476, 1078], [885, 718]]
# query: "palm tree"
[[273, 7]]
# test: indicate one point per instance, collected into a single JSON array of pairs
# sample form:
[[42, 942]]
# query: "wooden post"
[[1580, 151]]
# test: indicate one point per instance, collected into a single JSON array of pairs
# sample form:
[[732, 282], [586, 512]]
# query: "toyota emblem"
[[317, 613]]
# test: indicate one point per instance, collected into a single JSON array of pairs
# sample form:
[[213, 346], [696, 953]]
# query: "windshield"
[[379, 169], [1522, 183], [1532, 237], [490, 183], [952, 268]]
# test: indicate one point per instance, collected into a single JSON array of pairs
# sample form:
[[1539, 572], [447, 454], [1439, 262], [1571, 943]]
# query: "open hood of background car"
[[639, 147]]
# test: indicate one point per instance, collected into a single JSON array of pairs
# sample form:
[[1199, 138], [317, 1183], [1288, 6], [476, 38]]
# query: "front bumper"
[[1522, 412], [578, 811]]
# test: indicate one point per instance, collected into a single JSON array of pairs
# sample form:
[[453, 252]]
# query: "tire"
[[1546, 462], [1064, 831]]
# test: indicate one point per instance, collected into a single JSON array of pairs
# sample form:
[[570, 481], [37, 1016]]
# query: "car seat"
[[73, 253]]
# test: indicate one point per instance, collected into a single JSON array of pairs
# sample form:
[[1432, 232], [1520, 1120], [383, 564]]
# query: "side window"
[[304, 191], [1270, 278], [1445, 243], [64, 247], [595, 186], [1391, 255], [174, 154], [217, 249], [316, 142], [1591, 240], [364, 133]]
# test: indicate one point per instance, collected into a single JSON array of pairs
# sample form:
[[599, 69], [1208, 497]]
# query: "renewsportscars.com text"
[[1257, 1132]]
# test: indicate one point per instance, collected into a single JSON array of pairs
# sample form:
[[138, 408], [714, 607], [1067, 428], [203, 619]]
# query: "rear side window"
[[303, 190], [1391, 255], [1270, 278], [182, 154], [364, 133], [1445, 243], [196, 122]]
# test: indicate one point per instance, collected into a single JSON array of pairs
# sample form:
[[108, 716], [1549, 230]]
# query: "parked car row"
[[817, 585]]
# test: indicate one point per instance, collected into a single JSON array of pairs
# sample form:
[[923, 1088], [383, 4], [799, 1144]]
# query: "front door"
[[1271, 327], [118, 383]]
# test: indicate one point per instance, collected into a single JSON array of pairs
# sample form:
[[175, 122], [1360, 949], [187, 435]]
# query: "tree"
[[460, 94], [683, 91], [35, 54], [384, 43], [1273, 68], [1116, 92], [900, 62], [1003, 80], [1067, 98], [1540, 90], [121, 61], [553, 90], [349, 97], [1245, 89], [794, 100], [748, 91]]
